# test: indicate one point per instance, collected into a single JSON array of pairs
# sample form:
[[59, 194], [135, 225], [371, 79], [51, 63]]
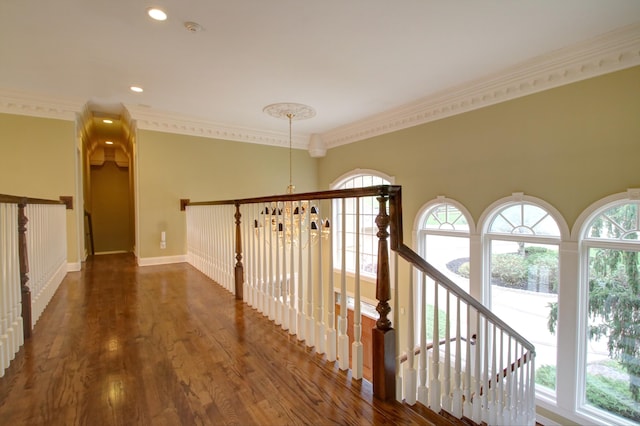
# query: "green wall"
[[38, 160], [569, 146], [171, 167], [110, 209]]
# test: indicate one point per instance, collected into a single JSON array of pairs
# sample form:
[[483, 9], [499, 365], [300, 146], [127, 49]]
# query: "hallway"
[[164, 345]]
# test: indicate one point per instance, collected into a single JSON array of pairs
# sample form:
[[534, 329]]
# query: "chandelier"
[[288, 219]]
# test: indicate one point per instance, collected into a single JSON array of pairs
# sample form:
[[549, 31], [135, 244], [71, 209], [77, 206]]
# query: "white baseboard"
[[164, 260], [74, 266]]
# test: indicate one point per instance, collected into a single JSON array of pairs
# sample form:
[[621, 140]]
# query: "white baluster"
[[292, 272], [255, 233], [435, 388], [279, 275], [273, 241], [485, 373], [522, 415], [477, 404], [446, 393], [467, 407], [396, 320], [410, 374], [493, 419], [506, 414], [532, 388], [5, 279], [264, 286], [318, 297], [332, 335], [356, 347], [423, 390], [515, 384], [343, 339], [456, 406], [300, 320], [500, 402], [310, 323]]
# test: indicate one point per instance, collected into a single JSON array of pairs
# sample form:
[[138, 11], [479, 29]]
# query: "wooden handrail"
[[417, 350], [370, 191], [13, 199], [397, 244]]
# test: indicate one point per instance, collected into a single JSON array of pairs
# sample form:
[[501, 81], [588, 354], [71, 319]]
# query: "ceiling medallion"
[[290, 110]]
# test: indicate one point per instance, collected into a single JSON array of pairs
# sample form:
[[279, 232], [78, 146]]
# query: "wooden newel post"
[[239, 270], [384, 340], [24, 269]]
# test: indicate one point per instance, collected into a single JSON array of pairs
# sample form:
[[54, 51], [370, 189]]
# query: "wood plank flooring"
[[164, 345]]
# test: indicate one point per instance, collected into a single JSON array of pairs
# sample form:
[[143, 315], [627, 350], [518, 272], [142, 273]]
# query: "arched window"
[[609, 344], [368, 211], [521, 242], [443, 230]]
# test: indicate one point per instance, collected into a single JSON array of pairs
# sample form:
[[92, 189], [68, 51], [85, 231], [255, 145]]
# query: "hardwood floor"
[[164, 345]]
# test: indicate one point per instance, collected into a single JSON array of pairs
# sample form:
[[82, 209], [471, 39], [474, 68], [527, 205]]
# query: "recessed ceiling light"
[[108, 142], [107, 121], [136, 89], [157, 14]]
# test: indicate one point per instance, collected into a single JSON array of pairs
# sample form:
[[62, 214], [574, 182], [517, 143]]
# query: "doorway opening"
[[108, 180]]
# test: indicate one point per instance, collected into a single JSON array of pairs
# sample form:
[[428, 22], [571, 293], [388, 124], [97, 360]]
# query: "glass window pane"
[[524, 293], [369, 207], [532, 215], [500, 225], [613, 338], [513, 215], [619, 222], [450, 255], [547, 227]]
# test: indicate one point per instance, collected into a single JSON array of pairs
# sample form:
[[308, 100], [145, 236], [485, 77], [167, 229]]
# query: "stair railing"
[[272, 253], [469, 362]]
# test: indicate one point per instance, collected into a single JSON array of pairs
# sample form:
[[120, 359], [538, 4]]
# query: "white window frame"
[[581, 228], [487, 237]]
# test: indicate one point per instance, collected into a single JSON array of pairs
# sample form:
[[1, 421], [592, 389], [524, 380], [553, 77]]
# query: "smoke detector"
[[193, 27]]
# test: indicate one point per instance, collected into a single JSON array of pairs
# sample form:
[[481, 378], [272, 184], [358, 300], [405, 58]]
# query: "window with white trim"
[[522, 241], [609, 378], [367, 233], [443, 240]]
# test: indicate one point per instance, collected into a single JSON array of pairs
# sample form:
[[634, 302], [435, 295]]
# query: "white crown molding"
[[607, 53], [20, 103], [146, 119]]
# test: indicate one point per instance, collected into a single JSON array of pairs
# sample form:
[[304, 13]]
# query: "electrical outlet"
[[163, 245]]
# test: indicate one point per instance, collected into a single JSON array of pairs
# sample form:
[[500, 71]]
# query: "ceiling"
[[366, 66]]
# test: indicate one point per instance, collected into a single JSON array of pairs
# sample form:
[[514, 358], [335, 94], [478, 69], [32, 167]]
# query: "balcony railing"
[[277, 254], [33, 262]]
